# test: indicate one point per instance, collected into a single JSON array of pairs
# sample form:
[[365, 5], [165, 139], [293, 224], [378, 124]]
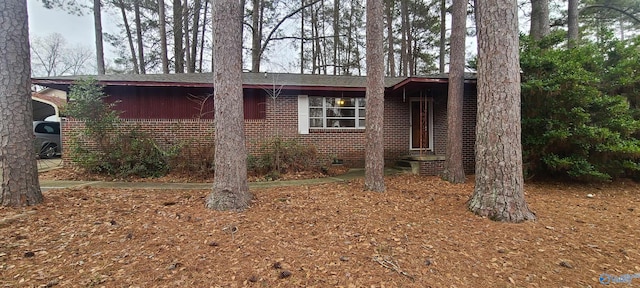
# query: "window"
[[334, 112]]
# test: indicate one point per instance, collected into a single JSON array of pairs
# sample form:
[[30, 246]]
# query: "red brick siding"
[[347, 144]]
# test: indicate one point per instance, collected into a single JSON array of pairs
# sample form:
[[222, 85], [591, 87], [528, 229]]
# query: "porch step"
[[408, 166]]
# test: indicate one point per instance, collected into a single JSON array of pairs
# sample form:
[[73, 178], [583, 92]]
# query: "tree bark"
[[573, 31], [404, 32], [539, 19], [499, 191], [256, 35], [230, 187], [185, 26], [453, 168], [443, 35], [136, 9], [374, 157], [134, 59], [19, 184], [336, 33], [97, 22], [194, 36], [204, 28], [391, 61], [178, 54], [163, 37]]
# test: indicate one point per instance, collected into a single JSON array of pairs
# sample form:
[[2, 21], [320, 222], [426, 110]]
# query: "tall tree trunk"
[[336, 33], [134, 59], [374, 158], [163, 37], [453, 168], [194, 36], [573, 32], [178, 37], [410, 56], [404, 32], [302, 14], [391, 58], [19, 185], [315, 49], [97, 25], [443, 34], [204, 28], [256, 35], [185, 26], [539, 19], [136, 6], [499, 191], [230, 187]]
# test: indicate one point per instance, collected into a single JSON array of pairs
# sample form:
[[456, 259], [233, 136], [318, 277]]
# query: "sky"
[[77, 30]]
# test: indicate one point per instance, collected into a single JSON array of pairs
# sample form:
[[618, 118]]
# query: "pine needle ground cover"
[[417, 234]]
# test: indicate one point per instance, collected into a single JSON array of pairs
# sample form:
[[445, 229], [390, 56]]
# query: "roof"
[[250, 80]]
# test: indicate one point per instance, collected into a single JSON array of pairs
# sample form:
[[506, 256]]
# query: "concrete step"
[[408, 166]]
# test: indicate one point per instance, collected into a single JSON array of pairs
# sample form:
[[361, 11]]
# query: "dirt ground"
[[417, 234]]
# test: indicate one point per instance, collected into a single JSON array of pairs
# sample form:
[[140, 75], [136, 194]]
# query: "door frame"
[[429, 103]]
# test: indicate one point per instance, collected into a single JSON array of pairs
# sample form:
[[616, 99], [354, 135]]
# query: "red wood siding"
[[176, 103]]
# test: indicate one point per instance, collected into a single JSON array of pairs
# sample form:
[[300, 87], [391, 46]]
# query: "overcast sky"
[[77, 30]]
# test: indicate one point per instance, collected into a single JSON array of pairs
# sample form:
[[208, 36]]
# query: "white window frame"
[[324, 117]]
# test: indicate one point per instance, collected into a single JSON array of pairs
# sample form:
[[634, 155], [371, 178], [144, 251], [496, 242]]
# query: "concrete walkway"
[[58, 184]]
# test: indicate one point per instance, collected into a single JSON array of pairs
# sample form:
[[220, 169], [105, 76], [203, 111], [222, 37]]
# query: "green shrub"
[[105, 145], [277, 156], [193, 158], [576, 120]]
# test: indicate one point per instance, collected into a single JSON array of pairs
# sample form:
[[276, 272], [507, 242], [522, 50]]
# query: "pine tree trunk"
[[573, 23], [374, 147], [204, 28], [453, 168], [499, 191], [336, 37], [97, 22], [185, 26], [163, 37], [404, 58], [230, 187], [134, 59], [391, 61], [443, 35], [139, 36], [539, 19], [178, 37], [194, 36], [256, 36], [19, 185]]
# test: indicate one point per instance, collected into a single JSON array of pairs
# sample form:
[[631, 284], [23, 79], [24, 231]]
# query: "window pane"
[[315, 101], [347, 112], [361, 123], [361, 102], [335, 123], [333, 112], [347, 102], [315, 123], [362, 113], [315, 112]]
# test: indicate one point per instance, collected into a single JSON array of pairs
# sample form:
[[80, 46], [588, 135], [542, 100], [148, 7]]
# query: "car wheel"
[[48, 151]]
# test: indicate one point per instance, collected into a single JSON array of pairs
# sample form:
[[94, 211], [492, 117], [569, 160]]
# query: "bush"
[[194, 159], [574, 124], [277, 156], [104, 146]]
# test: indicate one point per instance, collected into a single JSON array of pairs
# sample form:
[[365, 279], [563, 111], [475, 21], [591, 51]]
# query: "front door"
[[420, 124]]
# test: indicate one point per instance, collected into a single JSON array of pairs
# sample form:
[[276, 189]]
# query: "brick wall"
[[347, 144]]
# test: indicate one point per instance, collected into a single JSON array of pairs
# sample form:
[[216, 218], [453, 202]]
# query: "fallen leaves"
[[321, 236]]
